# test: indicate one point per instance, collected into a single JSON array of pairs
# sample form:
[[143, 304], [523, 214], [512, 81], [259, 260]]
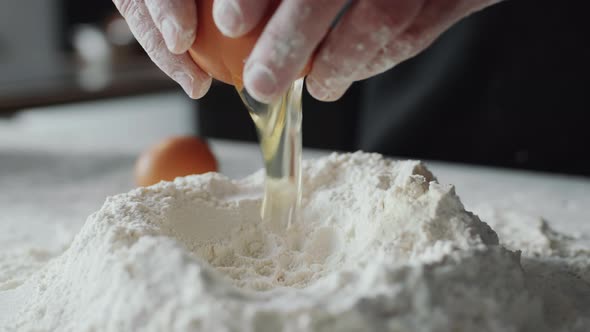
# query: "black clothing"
[[508, 86]]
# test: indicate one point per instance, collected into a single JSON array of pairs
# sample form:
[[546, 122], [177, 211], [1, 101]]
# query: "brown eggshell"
[[174, 157], [221, 56]]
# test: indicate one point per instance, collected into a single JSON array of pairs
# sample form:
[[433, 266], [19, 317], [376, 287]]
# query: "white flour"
[[382, 246]]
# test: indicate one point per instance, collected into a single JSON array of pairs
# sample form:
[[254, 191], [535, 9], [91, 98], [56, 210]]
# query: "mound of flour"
[[380, 246]]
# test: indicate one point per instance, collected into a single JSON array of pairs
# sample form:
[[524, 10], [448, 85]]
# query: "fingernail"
[[187, 83], [228, 18], [260, 82], [170, 34], [316, 90]]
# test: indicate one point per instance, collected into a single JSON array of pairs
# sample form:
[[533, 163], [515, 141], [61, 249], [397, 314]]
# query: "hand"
[[371, 37], [166, 29]]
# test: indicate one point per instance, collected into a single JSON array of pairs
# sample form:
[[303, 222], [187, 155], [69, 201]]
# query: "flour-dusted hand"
[[370, 38], [166, 29]]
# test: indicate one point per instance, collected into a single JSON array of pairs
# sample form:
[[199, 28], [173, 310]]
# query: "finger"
[[177, 22], [435, 17], [287, 42], [319, 92], [365, 29], [180, 68], [235, 18]]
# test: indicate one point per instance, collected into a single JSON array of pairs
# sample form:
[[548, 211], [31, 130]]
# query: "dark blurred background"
[[506, 87]]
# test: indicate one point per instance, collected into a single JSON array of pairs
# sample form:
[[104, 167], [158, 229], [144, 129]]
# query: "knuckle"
[[388, 18], [284, 48], [126, 7], [341, 58], [399, 10], [152, 43], [314, 3], [175, 72], [391, 55], [336, 67], [410, 43], [379, 64]]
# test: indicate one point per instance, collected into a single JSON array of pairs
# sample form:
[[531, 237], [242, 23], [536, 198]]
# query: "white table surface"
[[57, 166]]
